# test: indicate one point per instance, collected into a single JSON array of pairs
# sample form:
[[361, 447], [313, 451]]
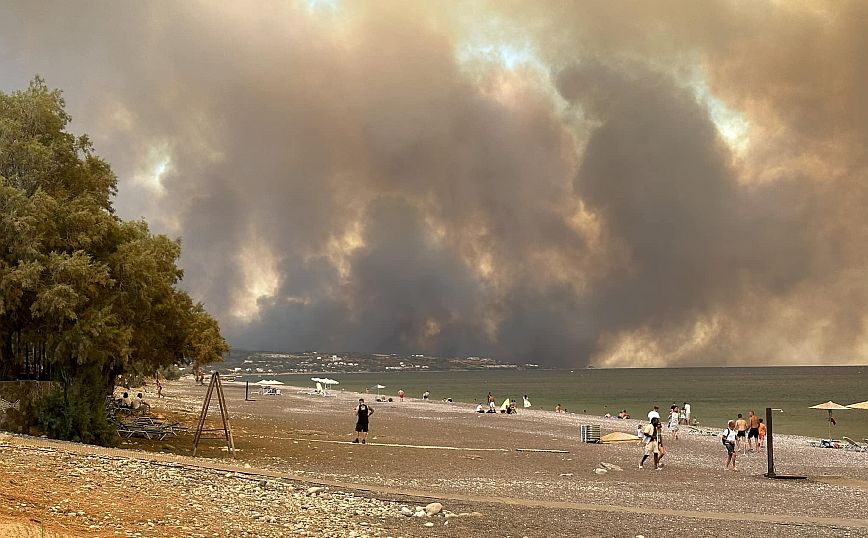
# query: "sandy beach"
[[494, 475]]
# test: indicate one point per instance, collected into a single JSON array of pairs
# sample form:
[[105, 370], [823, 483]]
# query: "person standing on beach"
[[526, 402], [654, 413], [762, 433], [651, 438], [661, 451], [362, 414], [729, 438], [753, 432], [741, 433], [673, 423], [401, 394]]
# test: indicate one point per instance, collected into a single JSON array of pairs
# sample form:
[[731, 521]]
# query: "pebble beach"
[[430, 468]]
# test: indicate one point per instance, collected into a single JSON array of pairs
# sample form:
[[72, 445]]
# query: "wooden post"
[[224, 414]]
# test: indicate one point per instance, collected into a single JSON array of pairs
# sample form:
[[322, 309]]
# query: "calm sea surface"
[[715, 394]]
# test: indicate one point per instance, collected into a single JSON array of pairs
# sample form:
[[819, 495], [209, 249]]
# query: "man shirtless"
[[753, 432], [741, 434]]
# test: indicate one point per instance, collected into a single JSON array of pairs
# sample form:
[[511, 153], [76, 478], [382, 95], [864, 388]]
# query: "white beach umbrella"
[[327, 381], [829, 406], [378, 389], [860, 405], [268, 382]]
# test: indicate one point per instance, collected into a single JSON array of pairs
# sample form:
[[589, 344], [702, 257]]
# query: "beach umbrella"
[[268, 382], [829, 406], [378, 389], [860, 405], [328, 381]]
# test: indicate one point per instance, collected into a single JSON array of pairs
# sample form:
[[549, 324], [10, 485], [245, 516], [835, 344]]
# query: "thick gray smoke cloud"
[[560, 184]]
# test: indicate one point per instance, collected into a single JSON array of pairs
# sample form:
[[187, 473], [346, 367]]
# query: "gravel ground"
[[487, 487]]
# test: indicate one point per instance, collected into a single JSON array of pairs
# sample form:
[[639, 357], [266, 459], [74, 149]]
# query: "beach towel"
[[619, 437]]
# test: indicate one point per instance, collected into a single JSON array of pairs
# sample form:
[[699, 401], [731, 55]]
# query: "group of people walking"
[[745, 435], [651, 432]]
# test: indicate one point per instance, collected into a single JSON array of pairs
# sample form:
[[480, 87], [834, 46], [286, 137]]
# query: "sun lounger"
[[147, 427], [853, 445]]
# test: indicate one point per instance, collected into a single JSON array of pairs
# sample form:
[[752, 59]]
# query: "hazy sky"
[[616, 183]]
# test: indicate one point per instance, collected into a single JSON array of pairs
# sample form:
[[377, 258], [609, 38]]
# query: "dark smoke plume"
[[558, 183]]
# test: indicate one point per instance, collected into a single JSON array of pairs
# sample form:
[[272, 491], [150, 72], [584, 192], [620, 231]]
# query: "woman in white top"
[[728, 438], [673, 423]]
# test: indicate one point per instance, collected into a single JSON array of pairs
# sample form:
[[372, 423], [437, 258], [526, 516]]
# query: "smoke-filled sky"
[[614, 183]]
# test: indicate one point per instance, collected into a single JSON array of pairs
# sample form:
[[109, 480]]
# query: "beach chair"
[[853, 445]]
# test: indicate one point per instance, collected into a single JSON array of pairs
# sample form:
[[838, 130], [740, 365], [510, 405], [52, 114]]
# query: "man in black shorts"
[[362, 414], [741, 433], [753, 431]]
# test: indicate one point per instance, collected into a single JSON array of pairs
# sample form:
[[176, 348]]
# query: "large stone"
[[433, 509]]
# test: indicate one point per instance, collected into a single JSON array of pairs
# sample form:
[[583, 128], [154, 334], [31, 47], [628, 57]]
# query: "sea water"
[[715, 394]]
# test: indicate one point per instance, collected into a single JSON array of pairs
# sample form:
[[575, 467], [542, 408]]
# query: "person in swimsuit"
[[741, 433], [762, 433], [362, 414], [753, 432]]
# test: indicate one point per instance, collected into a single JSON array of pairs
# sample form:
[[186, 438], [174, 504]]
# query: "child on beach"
[[762, 433]]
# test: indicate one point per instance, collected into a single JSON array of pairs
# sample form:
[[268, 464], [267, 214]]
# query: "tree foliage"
[[84, 295]]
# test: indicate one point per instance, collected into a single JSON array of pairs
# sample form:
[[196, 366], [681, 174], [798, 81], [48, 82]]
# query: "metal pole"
[[247, 391], [770, 443]]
